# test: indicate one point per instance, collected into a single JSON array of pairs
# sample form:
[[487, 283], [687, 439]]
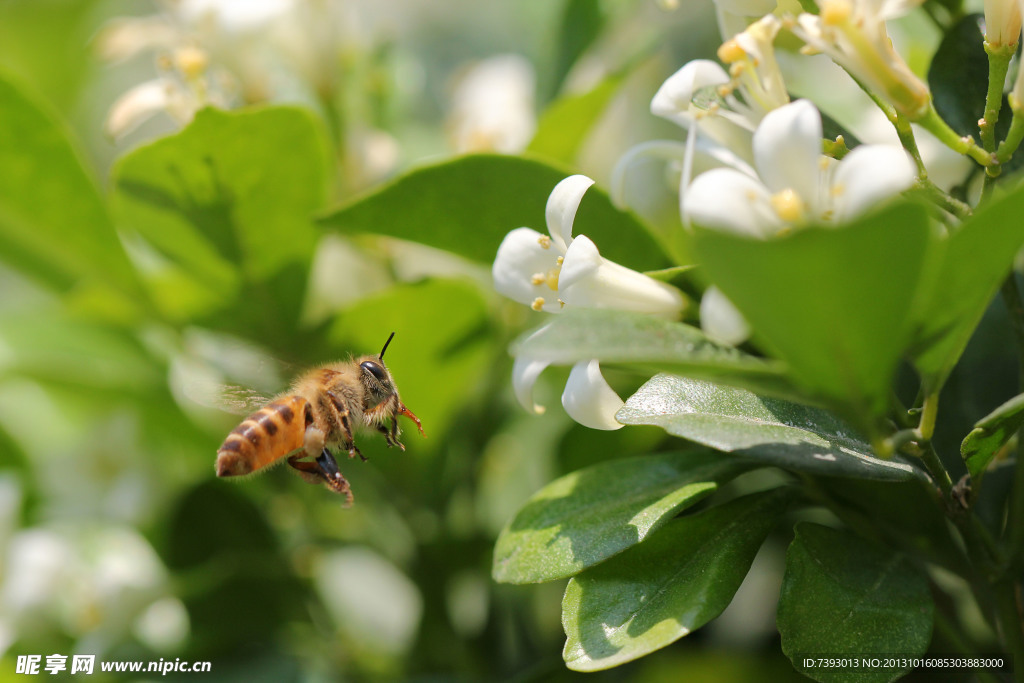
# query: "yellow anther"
[[538, 304], [835, 12], [561, 304], [552, 279], [788, 206], [537, 279], [544, 241], [837, 190], [191, 61], [736, 69], [559, 260], [730, 52]]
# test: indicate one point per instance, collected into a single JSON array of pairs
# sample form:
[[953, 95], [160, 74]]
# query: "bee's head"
[[376, 378]]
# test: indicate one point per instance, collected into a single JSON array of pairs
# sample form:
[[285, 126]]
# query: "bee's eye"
[[375, 369]]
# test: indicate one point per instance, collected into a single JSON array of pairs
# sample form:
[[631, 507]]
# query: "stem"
[[1015, 522], [1008, 618], [1016, 133], [909, 142], [952, 634], [998, 63], [944, 201], [933, 123]]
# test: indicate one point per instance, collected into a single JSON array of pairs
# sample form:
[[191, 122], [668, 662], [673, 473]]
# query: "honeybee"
[[319, 414]]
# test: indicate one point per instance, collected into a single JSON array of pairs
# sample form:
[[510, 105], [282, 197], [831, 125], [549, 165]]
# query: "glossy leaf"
[[568, 120], [234, 216], [990, 433], [589, 515], [970, 267], [467, 205], [845, 597], [958, 75], [832, 303], [666, 587], [769, 430], [53, 224], [650, 344]]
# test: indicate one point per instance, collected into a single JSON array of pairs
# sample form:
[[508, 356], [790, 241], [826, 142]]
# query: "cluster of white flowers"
[[752, 163]]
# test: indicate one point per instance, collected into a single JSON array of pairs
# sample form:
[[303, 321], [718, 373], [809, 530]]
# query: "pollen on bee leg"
[[538, 303], [314, 441]]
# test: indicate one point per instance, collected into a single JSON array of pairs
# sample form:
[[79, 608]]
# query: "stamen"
[[835, 12], [552, 279], [544, 241], [788, 205], [559, 260], [537, 279], [538, 304], [730, 51]]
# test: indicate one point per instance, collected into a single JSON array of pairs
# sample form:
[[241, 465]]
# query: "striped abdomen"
[[272, 432]]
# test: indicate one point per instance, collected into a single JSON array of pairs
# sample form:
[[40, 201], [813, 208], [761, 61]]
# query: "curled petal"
[[727, 199], [561, 208], [520, 257], [672, 101], [720, 319], [592, 281], [138, 104], [868, 175], [588, 399], [787, 149], [525, 372]]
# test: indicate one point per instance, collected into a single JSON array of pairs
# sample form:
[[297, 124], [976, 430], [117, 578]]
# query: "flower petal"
[[787, 149], [730, 200], [868, 175], [525, 372], [672, 101], [588, 399], [720, 319], [138, 104], [561, 208], [520, 257], [592, 281]]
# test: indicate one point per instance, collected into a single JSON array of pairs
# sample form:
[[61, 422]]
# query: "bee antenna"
[[381, 356]]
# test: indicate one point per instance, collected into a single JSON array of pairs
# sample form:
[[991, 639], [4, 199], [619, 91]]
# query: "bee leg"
[[391, 434], [353, 451], [335, 481]]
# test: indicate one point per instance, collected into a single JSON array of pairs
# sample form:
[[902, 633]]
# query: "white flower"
[[587, 398], [795, 183], [547, 272], [550, 271], [853, 34], [720, 319], [1002, 22], [492, 106], [727, 106]]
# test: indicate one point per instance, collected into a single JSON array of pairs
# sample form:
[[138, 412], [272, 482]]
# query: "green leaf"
[[467, 205], [970, 267], [671, 584], [228, 201], [844, 597], [650, 345], [958, 76], [769, 430], [830, 302], [568, 120], [582, 21], [589, 515], [990, 433], [53, 224]]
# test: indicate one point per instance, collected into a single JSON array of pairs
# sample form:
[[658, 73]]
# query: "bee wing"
[[227, 397]]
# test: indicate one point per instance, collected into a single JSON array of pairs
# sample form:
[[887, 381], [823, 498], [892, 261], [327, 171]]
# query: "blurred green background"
[[139, 272]]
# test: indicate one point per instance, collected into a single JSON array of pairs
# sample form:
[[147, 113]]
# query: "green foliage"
[[842, 596], [958, 75], [666, 587], [769, 430], [991, 433], [589, 515], [237, 228], [569, 119], [53, 223], [467, 205], [841, 330]]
